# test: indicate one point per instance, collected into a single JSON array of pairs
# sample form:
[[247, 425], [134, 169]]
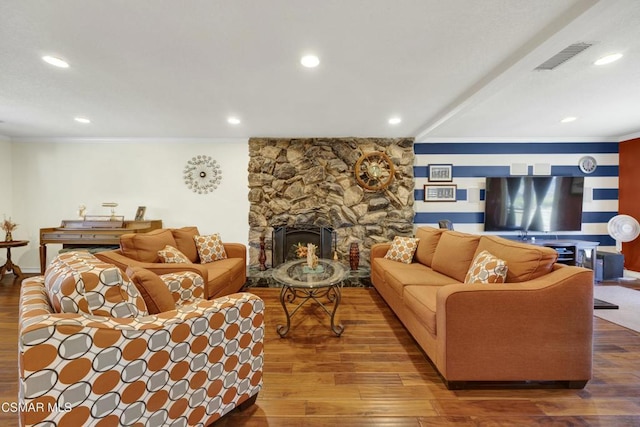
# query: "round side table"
[[9, 266]]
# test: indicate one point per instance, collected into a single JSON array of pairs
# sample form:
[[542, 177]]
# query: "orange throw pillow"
[[153, 290]]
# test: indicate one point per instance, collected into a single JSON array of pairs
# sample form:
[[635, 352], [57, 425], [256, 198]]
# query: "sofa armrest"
[[501, 330], [379, 250], [194, 348], [236, 250]]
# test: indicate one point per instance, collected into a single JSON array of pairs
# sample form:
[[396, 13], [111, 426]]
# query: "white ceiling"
[[454, 68]]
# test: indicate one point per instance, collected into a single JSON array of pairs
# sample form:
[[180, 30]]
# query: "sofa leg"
[[248, 403], [576, 384]]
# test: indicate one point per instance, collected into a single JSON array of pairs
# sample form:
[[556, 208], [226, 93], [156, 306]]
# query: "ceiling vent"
[[563, 56]]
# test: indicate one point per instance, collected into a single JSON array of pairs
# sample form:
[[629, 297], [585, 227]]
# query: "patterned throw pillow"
[[171, 255], [486, 269], [402, 249], [210, 248], [78, 282]]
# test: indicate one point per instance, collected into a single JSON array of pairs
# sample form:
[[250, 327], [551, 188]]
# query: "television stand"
[[581, 253]]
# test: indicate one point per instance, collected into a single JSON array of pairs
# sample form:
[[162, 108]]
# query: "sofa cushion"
[[486, 269], [78, 282], [171, 255], [454, 254], [398, 275], [429, 238], [421, 300], [525, 261], [402, 249], [210, 248], [144, 247], [185, 242], [223, 273], [155, 292]]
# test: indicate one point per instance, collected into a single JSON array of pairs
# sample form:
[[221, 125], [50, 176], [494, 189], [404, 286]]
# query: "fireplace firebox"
[[286, 239]]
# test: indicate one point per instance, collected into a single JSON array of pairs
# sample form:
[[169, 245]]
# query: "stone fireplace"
[[310, 184]]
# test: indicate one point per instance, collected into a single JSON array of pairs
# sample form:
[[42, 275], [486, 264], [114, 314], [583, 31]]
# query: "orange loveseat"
[[537, 326], [221, 277]]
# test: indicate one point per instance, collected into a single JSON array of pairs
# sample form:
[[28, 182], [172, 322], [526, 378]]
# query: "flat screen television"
[[533, 203]]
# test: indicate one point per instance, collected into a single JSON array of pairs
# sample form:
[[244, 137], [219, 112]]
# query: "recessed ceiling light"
[[83, 120], [608, 59], [568, 119], [310, 61], [395, 120], [233, 120], [56, 62]]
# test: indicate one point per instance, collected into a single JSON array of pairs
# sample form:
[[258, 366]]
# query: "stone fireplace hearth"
[[304, 183]]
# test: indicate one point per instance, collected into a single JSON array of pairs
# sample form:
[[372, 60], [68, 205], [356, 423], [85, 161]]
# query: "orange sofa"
[[537, 326], [221, 277]]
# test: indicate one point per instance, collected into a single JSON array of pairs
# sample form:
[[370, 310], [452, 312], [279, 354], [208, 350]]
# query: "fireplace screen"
[[287, 239]]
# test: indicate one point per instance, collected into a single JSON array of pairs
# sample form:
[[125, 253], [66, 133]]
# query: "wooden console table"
[[86, 234], [9, 266]]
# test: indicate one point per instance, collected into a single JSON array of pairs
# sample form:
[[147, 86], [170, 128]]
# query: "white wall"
[[51, 178], [6, 189]]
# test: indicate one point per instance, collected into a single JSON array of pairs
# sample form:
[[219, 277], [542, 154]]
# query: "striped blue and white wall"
[[473, 161]]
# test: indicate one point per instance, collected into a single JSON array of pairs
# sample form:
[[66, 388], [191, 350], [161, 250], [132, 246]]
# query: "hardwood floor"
[[375, 375]]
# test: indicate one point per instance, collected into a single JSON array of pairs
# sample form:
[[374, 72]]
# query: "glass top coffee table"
[[299, 282]]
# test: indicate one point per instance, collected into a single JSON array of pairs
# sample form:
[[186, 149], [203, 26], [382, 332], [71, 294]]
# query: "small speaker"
[[542, 169], [519, 169], [612, 265]]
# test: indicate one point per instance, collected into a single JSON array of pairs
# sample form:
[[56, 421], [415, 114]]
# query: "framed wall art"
[[440, 193], [440, 173]]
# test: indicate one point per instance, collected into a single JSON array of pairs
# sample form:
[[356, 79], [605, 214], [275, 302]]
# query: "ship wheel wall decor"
[[374, 171], [202, 174]]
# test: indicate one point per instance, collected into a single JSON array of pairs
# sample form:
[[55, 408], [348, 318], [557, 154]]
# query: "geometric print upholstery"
[[486, 269], [402, 249], [78, 282], [210, 248], [171, 255], [185, 286], [186, 367]]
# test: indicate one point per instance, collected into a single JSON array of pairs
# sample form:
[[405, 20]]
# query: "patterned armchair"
[[187, 366]]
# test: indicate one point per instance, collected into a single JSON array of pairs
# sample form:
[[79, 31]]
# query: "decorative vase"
[[312, 258], [354, 256], [262, 258], [8, 237]]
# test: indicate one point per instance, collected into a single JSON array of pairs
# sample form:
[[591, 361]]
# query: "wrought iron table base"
[[289, 295]]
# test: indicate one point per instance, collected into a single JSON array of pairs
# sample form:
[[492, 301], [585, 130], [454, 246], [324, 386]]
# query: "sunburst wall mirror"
[[202, 174]]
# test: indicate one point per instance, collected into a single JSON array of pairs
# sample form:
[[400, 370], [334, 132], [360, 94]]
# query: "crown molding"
[[127, 140], [629, 137]]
